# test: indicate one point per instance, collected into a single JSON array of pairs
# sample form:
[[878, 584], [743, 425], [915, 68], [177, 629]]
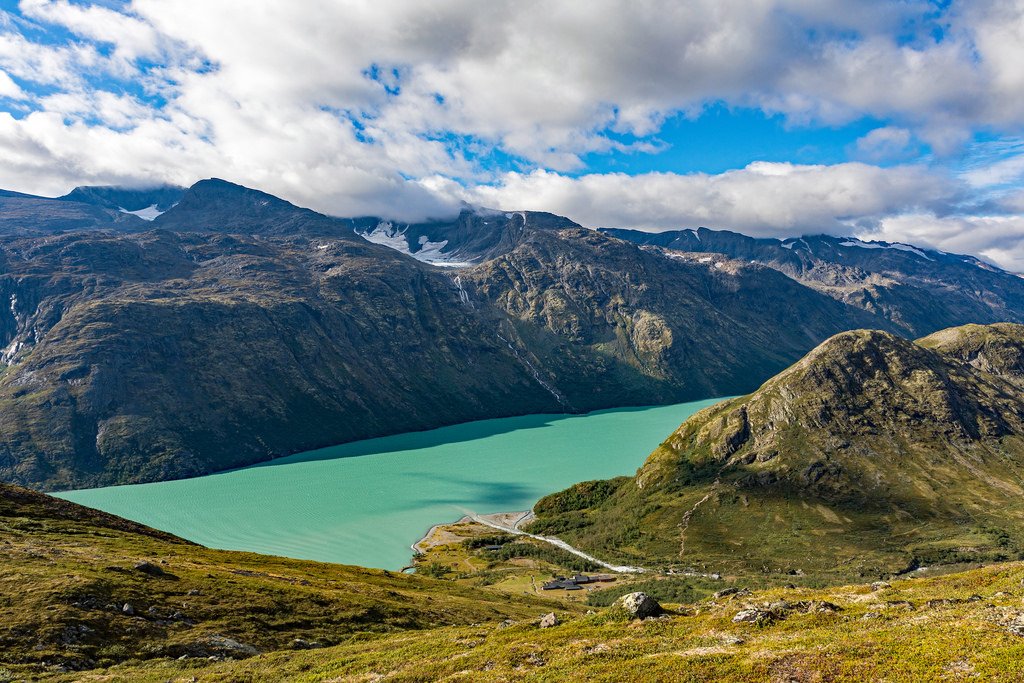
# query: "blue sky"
[[890, 120]]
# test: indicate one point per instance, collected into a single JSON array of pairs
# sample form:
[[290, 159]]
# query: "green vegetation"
[[668, 589], [544, 553], [958, 627]]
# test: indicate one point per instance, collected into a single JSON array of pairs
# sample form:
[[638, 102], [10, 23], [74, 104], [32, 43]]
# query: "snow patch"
[[148, 214], [792, 244], [695, 234], [389, 235], [899, 246]]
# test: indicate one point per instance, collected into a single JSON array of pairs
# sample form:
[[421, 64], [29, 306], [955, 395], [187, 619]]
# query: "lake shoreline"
[[518, 518], [366, 502]]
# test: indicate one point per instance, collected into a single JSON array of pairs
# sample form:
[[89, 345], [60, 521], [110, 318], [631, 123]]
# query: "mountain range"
[[166, 332]]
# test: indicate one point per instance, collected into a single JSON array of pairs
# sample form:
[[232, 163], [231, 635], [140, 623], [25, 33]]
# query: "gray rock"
[[880, 585], [128, 609], [149, 568], [303, 644], [751, 615], [230, 646], [818, 607], [724, 592], [548, 620], [639, 605]]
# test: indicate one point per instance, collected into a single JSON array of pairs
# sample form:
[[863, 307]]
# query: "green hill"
[[871, 456], [80, 589]]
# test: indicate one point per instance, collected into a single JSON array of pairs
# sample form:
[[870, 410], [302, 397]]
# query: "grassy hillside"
[[958, 627], [871, 456], [81, 589]]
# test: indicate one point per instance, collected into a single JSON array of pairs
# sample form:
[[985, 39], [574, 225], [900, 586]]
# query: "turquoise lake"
[[366, 502]]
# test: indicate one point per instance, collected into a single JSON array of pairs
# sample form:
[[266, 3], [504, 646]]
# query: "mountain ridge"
[[238, 327]]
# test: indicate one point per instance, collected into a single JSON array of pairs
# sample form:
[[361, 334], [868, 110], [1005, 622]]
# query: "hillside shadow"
[[453, 434], [482, 495]]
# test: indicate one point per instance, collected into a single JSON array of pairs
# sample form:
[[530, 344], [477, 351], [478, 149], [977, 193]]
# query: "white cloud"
[[8, 88], [763, 199], [998, 239], [886, 143]]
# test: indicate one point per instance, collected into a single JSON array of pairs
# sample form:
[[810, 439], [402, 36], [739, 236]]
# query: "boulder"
[[817, 607], [751, 615], [639, 605], [229, 646], [149, 568], [548, 620]]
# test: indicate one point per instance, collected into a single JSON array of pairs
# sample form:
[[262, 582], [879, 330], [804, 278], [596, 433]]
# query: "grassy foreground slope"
[[957, 627], [81, 589], [871, 456]]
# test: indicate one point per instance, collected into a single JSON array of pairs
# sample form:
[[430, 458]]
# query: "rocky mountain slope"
[[871, 455], [146, 202], [184, 350], [235, 327], [80, 589], [23, 214], [472, 237], [917, 290]]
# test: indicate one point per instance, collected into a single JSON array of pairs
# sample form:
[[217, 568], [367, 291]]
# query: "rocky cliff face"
[[872, 450], [917, 290]]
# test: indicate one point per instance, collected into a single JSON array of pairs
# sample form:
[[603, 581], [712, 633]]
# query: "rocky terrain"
[[917, 290], [872, 455], [234, 327]]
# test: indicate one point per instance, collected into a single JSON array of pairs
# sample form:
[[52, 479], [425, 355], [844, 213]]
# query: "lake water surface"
[[366, 502]]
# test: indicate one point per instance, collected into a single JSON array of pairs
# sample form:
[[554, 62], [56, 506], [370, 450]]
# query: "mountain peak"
[[142, 201], [216, 205]]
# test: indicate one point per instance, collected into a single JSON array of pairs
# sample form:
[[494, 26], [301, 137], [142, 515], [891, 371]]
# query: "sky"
[[895, 120]]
